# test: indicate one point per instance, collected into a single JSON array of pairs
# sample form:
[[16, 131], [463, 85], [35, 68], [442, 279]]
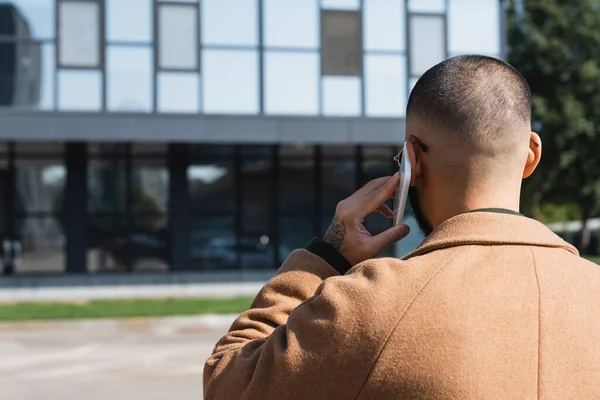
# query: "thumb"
[[387, 238]]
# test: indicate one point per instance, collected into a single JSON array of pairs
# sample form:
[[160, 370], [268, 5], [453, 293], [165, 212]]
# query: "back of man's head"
[[474, 113]]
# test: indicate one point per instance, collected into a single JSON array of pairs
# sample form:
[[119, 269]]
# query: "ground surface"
[[150, 359]]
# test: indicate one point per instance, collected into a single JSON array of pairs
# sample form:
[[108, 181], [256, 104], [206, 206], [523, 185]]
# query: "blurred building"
[[212, 134]]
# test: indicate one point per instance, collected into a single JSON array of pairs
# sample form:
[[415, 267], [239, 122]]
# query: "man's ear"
[[414, 156], [534, 155]]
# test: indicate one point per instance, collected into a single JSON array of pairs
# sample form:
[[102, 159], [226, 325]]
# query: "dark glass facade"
[[106, 207]]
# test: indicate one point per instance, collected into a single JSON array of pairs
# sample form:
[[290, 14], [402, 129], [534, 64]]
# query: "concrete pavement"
[[150, 359]]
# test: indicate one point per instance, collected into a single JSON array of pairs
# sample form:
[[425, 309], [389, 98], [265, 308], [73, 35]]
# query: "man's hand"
[[347, 232]]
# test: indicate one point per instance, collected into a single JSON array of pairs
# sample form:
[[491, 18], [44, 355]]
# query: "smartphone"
[[402, 192]]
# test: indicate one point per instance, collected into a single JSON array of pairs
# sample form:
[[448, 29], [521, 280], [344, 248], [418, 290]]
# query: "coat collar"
[[490, 228]]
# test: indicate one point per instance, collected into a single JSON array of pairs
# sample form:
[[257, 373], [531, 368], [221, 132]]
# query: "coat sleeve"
[[290, 344]]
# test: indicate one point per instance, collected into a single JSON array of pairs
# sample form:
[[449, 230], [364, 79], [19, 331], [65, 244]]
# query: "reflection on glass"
[[79, 91], [427, 42], [212, 188], [47, 77], [20, 78], [297, 201], [42, 245], [385, 81], [341, 96], [427, 6], [40, 185], [79, 33], [150, 191], [290, 23], [120, 14], [230, 80], [338, 181], [48, 148], [384, 23], [474, 27], [178, 36], [129, 79], [106, 186], [340, 4], [178, 92], [229, 22], [213, 243], [291, 83], [38, 15]]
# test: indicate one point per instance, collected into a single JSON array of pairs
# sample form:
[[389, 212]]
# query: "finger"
[[381, 194], [385, 211], [387, 238], [370, 186]]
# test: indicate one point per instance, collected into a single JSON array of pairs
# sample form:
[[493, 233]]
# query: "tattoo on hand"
[[335, 233]]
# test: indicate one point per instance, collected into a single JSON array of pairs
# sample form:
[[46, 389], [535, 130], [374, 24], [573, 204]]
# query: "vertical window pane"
[[341, 45], [40, 185], [340, 4], [42, 242], [427, 42], [474, 27], [79, 91], [230, 81], [385, 85], [341, 95], [427, 6], [256, 242], [384, 25], [21, 76], [47, 82], [129, 79], [150, 188], [79, 34], [36, 18], [119, 17], [106, 186], [338, 181], [296, 199], [229, 22], [291, 23], [291, 83], [213, 243], [106, 243], [411, 84], [178, 92], [178, 36]]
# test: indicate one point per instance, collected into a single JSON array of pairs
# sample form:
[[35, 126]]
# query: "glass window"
[[47, 82], [79, 33], [120, 14], [40, 185], [178, 92], [150, 188], [230, 81], [338, 180], [256, 181], [341, 95], [106, 243], [151, 149], [39, 148], [178, 37], [384, 25], [474, 27], [341, 44], [291, 83], [340, 4], [291, 23], [129, 79], [229, 22], [411, 84], [385, 81], [213, 243], [37, 17], [427, 42], [42, 245], [296, 197], [427, 6], [106, 186], [79, 91], [212, 187]]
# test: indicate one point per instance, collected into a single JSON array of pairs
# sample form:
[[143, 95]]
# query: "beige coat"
[[490, 306]]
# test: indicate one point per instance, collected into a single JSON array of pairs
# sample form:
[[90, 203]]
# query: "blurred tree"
[[555, 45]]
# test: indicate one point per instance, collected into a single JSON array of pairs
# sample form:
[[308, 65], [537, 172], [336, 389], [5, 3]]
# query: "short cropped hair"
[[472, 96]]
